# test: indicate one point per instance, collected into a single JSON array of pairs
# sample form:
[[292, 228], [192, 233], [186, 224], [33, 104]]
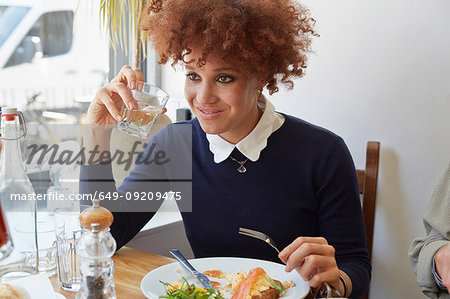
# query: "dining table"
[[131, 265]]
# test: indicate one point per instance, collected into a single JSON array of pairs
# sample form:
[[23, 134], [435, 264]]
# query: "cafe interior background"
[[380, 71]]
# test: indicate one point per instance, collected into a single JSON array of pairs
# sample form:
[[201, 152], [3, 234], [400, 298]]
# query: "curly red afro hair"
[[269, 37]]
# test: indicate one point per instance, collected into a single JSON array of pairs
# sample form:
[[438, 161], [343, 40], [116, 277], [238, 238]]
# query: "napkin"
[[38, 286]]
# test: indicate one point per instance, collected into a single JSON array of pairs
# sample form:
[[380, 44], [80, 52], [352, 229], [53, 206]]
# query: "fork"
[[258, 235], [263, 237]]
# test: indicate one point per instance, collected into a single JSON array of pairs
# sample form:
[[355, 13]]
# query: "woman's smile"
[[208, 113]]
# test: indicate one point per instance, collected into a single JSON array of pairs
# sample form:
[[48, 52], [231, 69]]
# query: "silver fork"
[[258, 235], [263, 237]]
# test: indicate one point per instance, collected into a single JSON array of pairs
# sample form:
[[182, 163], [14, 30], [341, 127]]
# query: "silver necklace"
[[241, 168]]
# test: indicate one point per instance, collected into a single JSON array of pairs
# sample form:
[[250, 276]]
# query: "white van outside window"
[[50, 36], [51, 47], [10, 17]]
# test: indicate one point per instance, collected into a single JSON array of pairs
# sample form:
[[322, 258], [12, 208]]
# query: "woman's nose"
[[206, 94]]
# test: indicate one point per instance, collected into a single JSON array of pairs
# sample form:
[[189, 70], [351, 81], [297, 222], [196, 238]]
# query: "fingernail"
[[133, 84], [119, 117]]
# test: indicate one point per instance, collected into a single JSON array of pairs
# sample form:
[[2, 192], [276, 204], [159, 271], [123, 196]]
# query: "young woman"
[[251, 166]]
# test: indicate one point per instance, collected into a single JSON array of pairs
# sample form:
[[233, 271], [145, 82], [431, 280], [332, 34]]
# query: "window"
[[50, 36], [10, 17]]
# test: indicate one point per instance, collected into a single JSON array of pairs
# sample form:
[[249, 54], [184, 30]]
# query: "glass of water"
[[151, 102]]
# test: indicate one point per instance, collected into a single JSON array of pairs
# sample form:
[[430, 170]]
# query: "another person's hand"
[[315, 260], [442, 262], [105, 108]]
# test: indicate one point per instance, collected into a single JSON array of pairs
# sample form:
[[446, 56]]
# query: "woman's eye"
[[192, 76], [225, 79]]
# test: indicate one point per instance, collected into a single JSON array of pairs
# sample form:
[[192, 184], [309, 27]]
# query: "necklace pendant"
[[242, 169]]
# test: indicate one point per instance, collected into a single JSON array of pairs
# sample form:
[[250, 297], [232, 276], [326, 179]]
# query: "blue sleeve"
[[98, 178], [135, 203], [340, 216]]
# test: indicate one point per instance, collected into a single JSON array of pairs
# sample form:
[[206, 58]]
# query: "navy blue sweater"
[[304, 184]]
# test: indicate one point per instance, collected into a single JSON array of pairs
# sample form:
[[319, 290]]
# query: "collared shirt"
[[252, 145]]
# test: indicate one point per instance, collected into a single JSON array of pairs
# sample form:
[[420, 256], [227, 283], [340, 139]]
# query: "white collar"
[[252, 145]]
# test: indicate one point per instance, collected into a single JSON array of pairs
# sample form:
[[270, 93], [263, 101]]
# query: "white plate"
[[37, 286], [153, 288]]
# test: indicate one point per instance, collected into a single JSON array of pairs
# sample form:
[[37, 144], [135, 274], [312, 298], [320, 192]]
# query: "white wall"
[[381, 72]]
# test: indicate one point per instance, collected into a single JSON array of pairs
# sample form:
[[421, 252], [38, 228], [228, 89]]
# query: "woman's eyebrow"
[[220, 69], [225, 69]]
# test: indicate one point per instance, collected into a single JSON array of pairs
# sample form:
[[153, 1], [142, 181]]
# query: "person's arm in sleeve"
[[341, 249], [131, 203], [421, 255], [423, 250], [340, 218], [96, 178]]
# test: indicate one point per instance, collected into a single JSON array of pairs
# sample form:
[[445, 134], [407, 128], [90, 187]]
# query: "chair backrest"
[[367, 181]]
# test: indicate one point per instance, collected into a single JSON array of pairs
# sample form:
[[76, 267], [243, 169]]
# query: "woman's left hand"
[[314, 259]]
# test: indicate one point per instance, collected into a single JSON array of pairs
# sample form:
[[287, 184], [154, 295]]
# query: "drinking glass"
[[151, 101], [68, 232], [45, 229]]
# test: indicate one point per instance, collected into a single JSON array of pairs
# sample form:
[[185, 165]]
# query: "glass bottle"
[[17, 199], [95, 249]]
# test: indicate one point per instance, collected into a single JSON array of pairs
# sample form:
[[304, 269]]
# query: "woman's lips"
[[208, 113]]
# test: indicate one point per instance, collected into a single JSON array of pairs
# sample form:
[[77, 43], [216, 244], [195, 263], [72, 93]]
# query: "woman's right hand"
[[106, 106]]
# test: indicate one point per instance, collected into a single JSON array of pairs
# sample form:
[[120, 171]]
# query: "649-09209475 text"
[[129, 196]]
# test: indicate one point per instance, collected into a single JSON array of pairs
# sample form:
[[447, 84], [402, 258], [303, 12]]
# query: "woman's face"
[[223, 98]]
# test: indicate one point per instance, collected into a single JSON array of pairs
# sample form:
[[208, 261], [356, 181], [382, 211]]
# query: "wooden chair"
[[367, 181]]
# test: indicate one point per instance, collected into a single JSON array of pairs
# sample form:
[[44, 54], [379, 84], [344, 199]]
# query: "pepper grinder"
[[95, 249]]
